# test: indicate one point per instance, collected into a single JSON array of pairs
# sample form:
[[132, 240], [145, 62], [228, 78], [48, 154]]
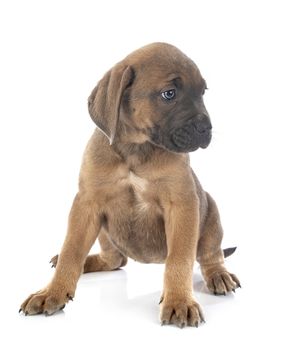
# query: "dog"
[[137, 192]]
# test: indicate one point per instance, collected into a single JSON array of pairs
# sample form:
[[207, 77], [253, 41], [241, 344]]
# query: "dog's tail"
[[228, 251]]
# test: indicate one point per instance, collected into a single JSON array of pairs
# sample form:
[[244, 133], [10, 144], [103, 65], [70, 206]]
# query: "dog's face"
[[156, 93]]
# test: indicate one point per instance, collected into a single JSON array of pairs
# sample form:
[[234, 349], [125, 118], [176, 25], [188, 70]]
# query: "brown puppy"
[[137, 192]]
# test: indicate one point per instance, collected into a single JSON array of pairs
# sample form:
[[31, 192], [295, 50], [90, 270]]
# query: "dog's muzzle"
[[194, 134]]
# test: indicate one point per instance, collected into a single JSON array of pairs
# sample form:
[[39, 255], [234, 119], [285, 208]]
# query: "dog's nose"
[[203, 124]]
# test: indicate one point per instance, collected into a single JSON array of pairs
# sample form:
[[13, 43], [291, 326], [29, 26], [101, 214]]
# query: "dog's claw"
[[182, 325], [236, 280], [20, 310], [70, 297], [202, 318]]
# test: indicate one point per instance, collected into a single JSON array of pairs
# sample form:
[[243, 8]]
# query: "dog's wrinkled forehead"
[[165, 60]]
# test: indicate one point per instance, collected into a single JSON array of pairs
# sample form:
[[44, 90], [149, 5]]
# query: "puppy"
[[137, 192]]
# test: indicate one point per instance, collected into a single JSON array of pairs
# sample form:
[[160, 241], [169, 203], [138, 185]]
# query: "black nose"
[[203, 124]]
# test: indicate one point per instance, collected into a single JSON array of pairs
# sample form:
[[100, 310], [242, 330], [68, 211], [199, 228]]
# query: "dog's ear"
[[105, 99]]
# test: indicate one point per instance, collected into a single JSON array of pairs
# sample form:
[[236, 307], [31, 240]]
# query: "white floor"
[[120, 309]]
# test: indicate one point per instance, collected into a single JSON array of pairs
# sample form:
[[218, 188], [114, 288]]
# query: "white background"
[[52, 55]]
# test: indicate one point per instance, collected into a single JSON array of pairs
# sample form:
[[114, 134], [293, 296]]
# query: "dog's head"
[[155, 94]]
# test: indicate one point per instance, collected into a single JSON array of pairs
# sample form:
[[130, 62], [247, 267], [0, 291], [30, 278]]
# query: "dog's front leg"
[[178, 305], [83, 228]]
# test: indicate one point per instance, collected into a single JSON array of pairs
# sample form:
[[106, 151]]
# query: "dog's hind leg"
[[211, 256], [110, 258], [107, 260]]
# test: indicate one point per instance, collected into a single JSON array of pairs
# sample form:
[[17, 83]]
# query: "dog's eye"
[[169, 94]]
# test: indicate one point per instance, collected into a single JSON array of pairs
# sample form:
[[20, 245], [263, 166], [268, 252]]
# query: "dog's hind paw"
[[54, 261]]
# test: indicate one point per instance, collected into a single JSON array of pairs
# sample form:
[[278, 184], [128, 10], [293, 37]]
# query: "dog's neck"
[[133, 145], [136, 153]]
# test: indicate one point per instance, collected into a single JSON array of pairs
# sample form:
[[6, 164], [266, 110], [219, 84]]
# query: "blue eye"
[[169, 94]]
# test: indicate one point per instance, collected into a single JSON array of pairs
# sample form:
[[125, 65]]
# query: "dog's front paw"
[[222, 282], [47, 301], [180, 311]]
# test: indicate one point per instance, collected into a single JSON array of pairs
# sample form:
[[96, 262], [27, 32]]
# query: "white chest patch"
[[139, 184]]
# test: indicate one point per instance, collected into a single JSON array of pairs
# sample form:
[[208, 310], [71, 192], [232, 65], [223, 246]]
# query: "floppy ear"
[[105, 99]]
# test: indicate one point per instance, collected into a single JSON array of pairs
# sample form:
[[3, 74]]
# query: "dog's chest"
[[133, 189], [139, 187], [135, 223], [139, 184]]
